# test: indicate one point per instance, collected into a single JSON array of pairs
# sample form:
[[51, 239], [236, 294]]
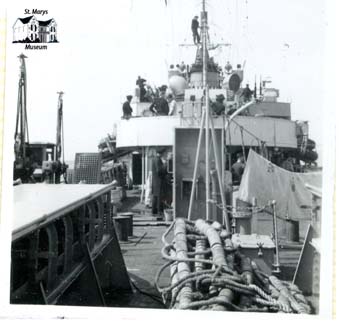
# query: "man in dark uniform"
[[141, 84], [160, 105], [247, 93], [159, 175], [218, 106], [126, 107], [195, 27], [238, 169]]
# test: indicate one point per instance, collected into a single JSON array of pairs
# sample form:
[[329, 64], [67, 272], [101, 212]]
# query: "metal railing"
[[48, 258]]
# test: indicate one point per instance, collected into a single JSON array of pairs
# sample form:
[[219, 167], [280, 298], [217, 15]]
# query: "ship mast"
[[205, 123], [204, 28]]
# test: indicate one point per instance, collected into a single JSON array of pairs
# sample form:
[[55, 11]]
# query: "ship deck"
[[143, 258], [141, 252]]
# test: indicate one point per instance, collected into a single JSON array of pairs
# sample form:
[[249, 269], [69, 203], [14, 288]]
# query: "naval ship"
[[228, 253]]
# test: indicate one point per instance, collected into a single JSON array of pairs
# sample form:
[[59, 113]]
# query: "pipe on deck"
[[185, 296], [219, 259]]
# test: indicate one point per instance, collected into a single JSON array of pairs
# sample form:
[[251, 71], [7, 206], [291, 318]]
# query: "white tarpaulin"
[[266, 182]]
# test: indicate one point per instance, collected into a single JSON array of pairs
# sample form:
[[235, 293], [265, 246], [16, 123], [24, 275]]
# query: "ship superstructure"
[[264, 126]]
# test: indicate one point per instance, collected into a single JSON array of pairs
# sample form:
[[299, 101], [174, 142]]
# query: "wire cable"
[[152, 296]]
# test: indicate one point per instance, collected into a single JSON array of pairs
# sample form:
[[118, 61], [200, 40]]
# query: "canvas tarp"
[[266, 182]]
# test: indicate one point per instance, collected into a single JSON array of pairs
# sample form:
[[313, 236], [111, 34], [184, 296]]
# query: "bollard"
[[121, 227], [130, 222]]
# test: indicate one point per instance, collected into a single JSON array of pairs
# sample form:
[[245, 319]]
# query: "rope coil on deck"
[[208, 272]]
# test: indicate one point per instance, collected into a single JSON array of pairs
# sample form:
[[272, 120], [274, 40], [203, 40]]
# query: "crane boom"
[[60, 167], [21, 128], [22, 164], [59, 129]]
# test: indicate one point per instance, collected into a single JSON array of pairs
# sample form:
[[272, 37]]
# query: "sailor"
[[173, 71], [218, 106], [288, 164], [195, 27], [159, 174], [183, 70], [228, 68], [172, 105], [141, 84], [231, 109], [160, 105], [163, 88], [124, 175], [247, 93], [149, 94], [126, 107], [183, 67], [238, 169]]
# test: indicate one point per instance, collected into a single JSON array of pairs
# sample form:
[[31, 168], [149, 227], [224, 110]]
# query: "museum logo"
[[35, 32]]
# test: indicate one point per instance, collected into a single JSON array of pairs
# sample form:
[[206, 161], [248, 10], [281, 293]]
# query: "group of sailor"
[[178, 70], [161, 105]]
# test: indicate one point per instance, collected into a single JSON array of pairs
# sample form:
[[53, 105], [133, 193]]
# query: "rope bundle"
[[208, 272]]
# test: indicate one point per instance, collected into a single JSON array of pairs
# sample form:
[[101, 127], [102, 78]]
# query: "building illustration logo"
[[31, 30]]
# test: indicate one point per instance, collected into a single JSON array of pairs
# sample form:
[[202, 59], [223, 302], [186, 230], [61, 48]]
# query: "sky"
[[103, 48]]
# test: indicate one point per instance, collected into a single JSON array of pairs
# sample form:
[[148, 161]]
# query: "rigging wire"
[[242, 143], [229, 135], [63, 148], [247, 131], [154, 297]]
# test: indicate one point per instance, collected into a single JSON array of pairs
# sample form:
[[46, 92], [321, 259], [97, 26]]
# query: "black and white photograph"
[[168, 155]]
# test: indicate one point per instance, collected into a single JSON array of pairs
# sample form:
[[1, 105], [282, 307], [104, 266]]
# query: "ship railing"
[[186, 109], [49, 256], [316, 206]]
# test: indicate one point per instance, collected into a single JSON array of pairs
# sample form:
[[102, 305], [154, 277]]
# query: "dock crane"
[[23, 168], [54, 169], [61, 167], [36, 162]]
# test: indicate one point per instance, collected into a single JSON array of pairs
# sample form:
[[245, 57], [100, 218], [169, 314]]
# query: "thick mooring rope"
[[208, 272]]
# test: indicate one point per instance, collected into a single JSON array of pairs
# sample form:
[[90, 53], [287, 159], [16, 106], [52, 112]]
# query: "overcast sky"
[[103, 48]]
